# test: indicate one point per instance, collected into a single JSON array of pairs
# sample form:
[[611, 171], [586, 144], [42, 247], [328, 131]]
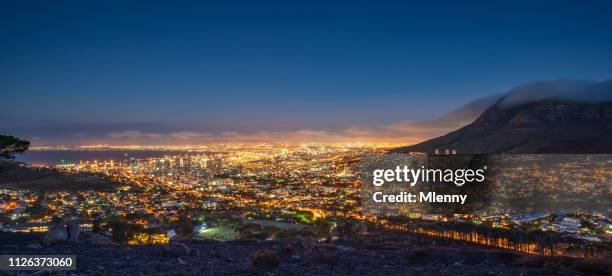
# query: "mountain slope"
[[19, 176], [543, 117]]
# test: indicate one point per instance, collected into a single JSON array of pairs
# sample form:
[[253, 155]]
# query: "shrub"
[[288, 249], [508, 257], [551, 268], [271, 232], [589, 268], [308, 243], [530, 261], [265, 259], [321, 255], [327, 257], [419, 255]]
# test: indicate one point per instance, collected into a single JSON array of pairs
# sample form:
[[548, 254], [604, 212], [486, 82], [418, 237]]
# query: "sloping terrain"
[[551, 122], [17, 175], [389, 256]]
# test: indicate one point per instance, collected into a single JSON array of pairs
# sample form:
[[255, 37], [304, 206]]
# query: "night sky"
[[181, 72]]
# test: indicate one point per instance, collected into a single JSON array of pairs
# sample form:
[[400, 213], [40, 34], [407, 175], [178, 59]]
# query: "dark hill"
[[542, 117], [377, 255], [17, 175]]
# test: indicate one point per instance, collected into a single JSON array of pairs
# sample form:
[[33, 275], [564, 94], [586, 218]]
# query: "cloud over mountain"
[[563, 90], [559, 116]]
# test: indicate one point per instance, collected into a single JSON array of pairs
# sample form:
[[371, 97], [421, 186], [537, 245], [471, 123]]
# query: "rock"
[[177, 249], [194, 252], [345, 248], [97, 239], [35, 246], [73, 230], [181, 261], [57, 234]]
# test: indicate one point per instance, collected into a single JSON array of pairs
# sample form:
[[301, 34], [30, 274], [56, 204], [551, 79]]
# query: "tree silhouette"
[[11, 145]]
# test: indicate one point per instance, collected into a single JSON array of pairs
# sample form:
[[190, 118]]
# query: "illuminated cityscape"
[[290, 185], [306, 138]]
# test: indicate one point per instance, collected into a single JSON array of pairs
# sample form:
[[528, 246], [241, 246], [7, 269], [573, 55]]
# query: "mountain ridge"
[[567, 117]]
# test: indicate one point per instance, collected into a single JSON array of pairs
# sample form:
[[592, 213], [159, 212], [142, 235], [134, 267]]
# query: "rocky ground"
[[294, 257]]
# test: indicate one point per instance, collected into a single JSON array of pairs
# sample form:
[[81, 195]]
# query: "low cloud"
[[406, 133], [55, 134], [52, 133], [562, 89]]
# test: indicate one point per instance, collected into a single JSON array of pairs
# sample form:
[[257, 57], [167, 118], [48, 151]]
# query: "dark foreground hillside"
[[390, 256], [17, 175]]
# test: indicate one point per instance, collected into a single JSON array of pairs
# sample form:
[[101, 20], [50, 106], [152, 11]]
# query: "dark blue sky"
[[174, 66]]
